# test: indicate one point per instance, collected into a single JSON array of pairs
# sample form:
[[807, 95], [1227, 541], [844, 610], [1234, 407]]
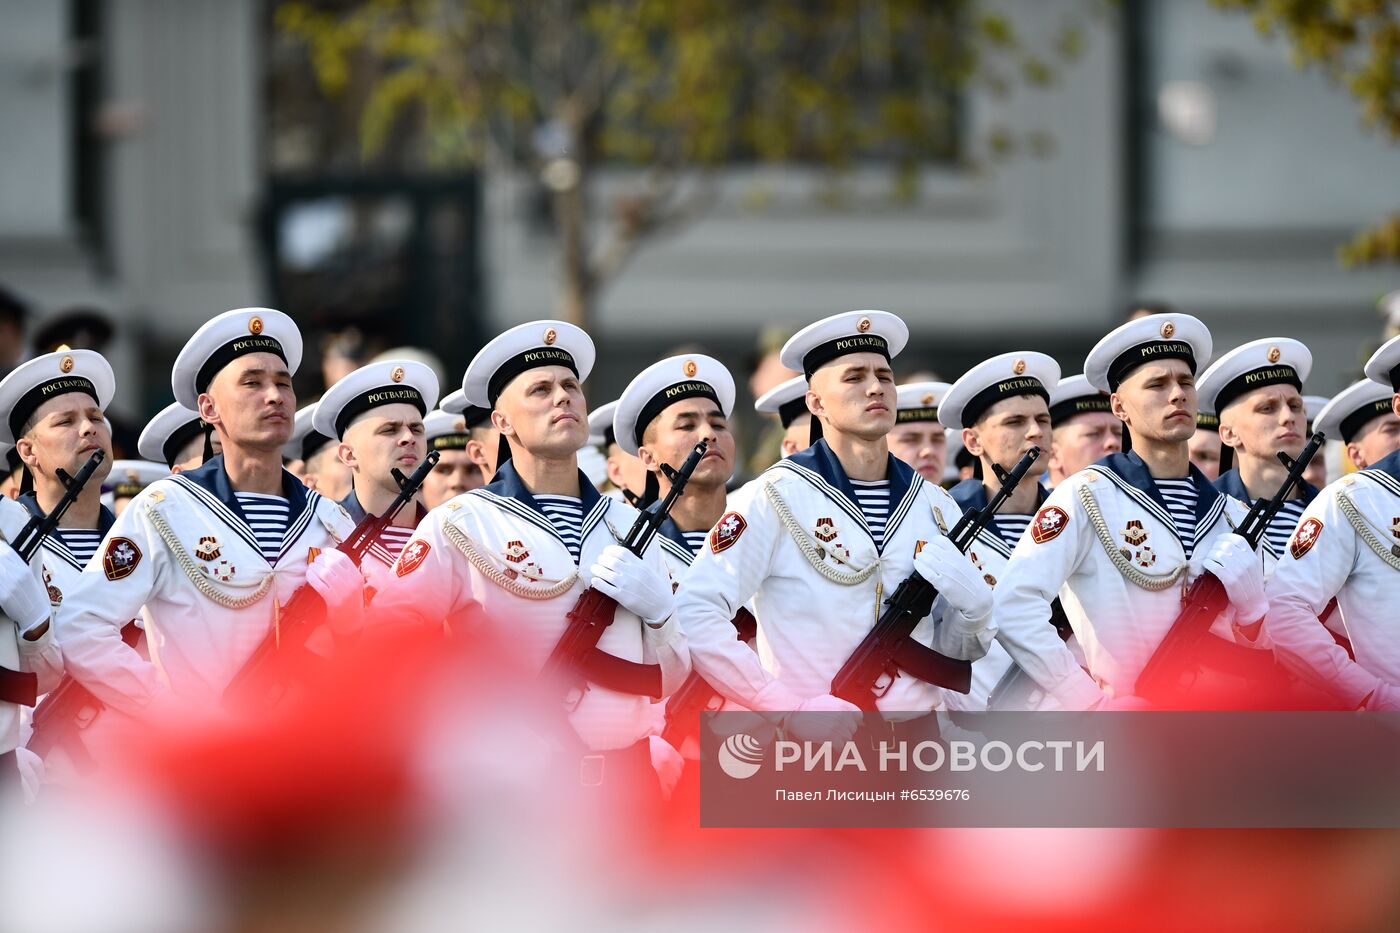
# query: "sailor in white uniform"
[[626, 475], [663, 413], [209, 555], [1347, 548], [918, 437], [61, 433], [456, 472], [52, 415], [375, 414], [483, 439], [819, 540], [314, 458], [1256, 389], [1083, 428], [1362, 418], [1120, 541], [788, 401], [1001, 407], [516, 554], [1316, 473]]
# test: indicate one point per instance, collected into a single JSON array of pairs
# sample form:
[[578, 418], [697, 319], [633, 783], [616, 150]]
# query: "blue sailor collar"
[[1130, 474], [673, 541], [1231, 485], [670, 529], [213, 479], [1130, 468], [821, 467], [1387, 472], [507, 491], [105, 516], [972, 494], [211, 486], [357, 513], [54, 543]]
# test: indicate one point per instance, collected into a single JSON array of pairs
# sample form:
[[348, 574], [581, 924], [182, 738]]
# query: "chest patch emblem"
[[826, 532], [1395, 527], [1138, 550], [1134, 533], [516, 551], [209, 548], [222, 570]]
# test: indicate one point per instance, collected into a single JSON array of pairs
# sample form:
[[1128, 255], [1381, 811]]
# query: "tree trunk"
[[576, 286]]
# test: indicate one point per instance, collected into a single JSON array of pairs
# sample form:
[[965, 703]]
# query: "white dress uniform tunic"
[[186, 554], [1107, 543], [1007, 375], [815, 564], [796, 543], [28, 668], [385, 382], [493, 556], [184, 557], [1347, 548], [646, 397]]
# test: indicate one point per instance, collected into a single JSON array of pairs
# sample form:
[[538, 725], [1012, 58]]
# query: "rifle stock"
[[696, 695]]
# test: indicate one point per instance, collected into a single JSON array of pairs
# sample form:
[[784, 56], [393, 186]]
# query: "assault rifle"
[[574, 659], [1177, 659], [888, 648], [265, 675]]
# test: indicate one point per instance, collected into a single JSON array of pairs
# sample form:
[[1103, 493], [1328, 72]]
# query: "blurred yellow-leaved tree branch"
[[1357, 44], [673, 90]]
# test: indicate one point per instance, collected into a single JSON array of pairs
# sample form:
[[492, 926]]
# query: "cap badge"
[[928, 399], [255, 325], [550, 336], [459, 425], [1019, 367], [397, 374], [1168, 329], [1274, 354], [65, 365], [863, 325], [690, 368]]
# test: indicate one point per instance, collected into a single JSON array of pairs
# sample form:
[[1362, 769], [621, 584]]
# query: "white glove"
[[633, 583], [1386, 697], [21, 596], [824, 718], [1240, 568], [955, 577], [335, 576]]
